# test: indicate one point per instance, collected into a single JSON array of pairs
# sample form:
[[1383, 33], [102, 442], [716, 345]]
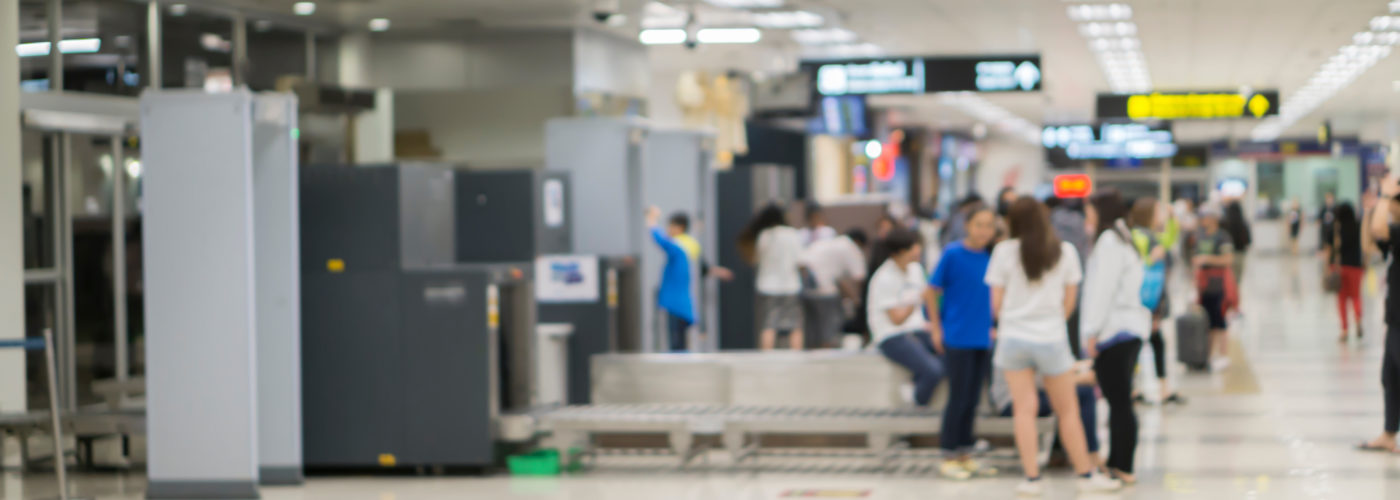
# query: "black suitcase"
[[1193, 339]]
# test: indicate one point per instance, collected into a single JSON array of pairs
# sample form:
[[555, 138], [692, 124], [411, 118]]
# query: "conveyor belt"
[[738, 426]]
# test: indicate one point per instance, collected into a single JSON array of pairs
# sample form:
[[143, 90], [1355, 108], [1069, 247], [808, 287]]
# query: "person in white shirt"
[[837, 268], [816, 229], [895, 311], [775, 248], [1113, 322], [1034, 277]]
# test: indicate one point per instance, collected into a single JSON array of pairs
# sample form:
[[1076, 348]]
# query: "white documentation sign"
[[566, 278]]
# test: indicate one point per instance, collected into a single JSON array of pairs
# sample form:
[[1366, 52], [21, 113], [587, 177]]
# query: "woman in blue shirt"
[[962, 332]]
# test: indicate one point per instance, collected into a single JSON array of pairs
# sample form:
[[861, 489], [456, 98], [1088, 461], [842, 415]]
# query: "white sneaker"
[[906, 394], [1099, 483], [1029, 488], [1220, 363]]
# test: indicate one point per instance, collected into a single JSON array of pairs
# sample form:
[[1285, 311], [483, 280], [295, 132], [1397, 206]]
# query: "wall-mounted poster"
[[566, 278]]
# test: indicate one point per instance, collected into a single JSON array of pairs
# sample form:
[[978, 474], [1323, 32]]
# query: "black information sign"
[[918, 75]]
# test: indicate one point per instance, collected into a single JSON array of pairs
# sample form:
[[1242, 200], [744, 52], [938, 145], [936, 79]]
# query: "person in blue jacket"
[[674, 296]]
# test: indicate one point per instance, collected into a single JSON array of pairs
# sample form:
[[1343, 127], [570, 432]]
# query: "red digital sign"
[[1073, 186]]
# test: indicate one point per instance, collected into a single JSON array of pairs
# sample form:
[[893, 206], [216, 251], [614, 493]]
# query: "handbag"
[[1332, 275], [1332, 280]]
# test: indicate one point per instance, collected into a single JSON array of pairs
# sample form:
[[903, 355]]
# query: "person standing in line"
[[1034, 278], [674, 296], [1153, 249], [1071, 224], [1295, 224], [898, 326], [1326, 218], [1344, 255], [817, 229], [838, 269], [1238, 226], [1384, 226], [776, 249], [1212, 255], [962, 332], [1114, 321]]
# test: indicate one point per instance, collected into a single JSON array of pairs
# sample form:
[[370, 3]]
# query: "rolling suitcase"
[[1193, 339]]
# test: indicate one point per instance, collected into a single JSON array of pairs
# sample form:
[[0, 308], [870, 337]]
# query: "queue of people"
[[1049, 304]]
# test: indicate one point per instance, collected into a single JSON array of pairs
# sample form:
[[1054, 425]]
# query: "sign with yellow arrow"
[[1188, 105]]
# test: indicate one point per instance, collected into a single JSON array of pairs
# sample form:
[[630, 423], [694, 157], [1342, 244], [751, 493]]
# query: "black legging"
[[1390, 380], [1114, 369], [1159, 354]]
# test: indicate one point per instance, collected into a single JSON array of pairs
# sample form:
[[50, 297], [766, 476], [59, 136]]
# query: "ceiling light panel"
[[660, 15], [747, 4], [729, 35], [823, 36], [1112, 35], [788, 19], [1368, 47]]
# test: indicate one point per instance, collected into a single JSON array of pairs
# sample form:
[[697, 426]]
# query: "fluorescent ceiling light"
[[660, 15], [823, 36], [845, 50], [379, 24], [729, 35], [74, 46], [1099, 12], [747, 4], [788, 19], [304, 8], [662, 37], [178, 9]]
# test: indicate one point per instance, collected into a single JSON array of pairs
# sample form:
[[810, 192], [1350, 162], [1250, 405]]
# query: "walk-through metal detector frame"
[[61, 116]]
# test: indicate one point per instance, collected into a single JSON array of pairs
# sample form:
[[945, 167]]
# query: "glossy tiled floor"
[[1280, 423]]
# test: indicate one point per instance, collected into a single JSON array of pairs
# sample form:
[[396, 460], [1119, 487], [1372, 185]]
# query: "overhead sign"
[[1069, 145], [866, 77], [1189, 105], [918, 75], [983, 74], [1073, 186]]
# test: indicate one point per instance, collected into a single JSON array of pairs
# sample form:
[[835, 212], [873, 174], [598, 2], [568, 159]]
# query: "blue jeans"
[[967, 371], [1087, 416], [677, 327], [914, 351]]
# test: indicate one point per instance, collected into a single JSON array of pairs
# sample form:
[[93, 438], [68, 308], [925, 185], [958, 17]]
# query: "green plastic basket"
[[535, 463]]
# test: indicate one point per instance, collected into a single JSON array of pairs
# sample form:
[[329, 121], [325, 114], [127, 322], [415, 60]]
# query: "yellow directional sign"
[[1188, 105]]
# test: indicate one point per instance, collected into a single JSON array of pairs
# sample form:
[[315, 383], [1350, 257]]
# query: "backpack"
[[1154, 277]]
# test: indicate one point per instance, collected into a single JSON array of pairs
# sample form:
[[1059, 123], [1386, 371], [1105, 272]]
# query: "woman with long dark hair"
[[1034, 278], [775, 248], [1237, 225], [1113, 322], [1344, 257]]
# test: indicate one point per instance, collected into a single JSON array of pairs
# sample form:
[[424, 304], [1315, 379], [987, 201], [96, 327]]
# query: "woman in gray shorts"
[[1034, 277]]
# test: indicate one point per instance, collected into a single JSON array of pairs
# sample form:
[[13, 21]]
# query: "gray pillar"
[[154, 45], [12, 373], [55, 15], [240, 49], [1164, 190], [119, 336], [310, 57]]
